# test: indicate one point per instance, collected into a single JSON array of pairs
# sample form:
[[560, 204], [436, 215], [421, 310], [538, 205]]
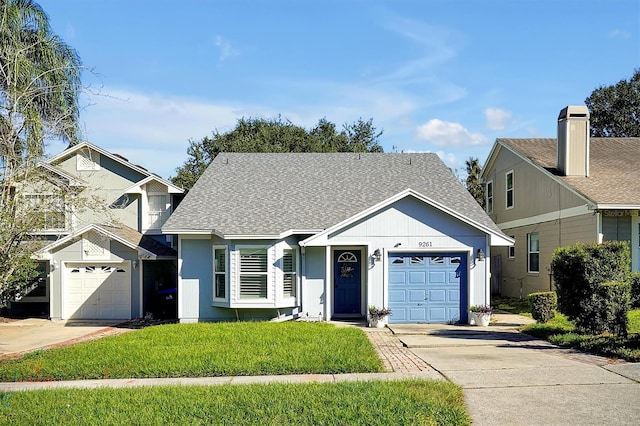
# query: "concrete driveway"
[[27, 335], [512, 379]]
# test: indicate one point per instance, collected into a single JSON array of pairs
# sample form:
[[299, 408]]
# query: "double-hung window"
[[253, 273], [289, 273], [509, 189], [489, 197], [157, 210], [533, 261], [48, 209], [220, 272], [512, 250]]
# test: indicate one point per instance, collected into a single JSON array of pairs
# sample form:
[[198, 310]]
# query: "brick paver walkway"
[[394, 355]]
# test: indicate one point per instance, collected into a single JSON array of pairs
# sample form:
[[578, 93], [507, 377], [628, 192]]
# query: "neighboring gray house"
[[110, 261], [548, 193], [324, 236]]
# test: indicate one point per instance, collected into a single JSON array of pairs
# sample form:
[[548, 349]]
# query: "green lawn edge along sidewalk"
[[204, 350]]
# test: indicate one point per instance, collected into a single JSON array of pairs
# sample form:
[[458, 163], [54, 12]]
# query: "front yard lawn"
[[407, 402], [200, 350], [560, 331]]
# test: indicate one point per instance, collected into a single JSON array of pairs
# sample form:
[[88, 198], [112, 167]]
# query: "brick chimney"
[[573, 141]]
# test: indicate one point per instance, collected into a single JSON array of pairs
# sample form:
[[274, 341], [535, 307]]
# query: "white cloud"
[[497, 119], [618, 33], [444, 133], [225, 48]]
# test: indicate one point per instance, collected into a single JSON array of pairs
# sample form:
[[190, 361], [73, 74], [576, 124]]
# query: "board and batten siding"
[[410, 225], [516, 280], [313, 282]]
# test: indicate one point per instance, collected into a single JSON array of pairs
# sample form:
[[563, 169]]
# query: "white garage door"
[[97, 291]]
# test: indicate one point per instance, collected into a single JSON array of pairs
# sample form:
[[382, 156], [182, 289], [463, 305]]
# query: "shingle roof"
[[136, 238], [269, 194], [613, 167]]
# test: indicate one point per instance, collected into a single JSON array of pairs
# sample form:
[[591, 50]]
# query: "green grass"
[[408, 402], [515, 306], [198, 350], [561, 331]]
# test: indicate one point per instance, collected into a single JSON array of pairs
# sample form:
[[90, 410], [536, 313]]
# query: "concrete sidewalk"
[[512, 379], [508, 378]]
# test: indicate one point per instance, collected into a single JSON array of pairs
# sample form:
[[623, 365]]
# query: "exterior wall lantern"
[[480, 255], [135, 264], [54, 265], [377, 255]]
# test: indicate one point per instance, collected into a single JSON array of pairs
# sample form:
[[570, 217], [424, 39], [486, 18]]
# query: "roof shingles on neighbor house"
[[612, 162], [271, 194]]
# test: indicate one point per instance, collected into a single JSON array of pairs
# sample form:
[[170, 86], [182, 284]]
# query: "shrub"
[[634, 281], [606, 310], [543, 305], [579, 269]]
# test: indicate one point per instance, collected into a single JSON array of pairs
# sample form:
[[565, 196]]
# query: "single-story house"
[[326, 235]]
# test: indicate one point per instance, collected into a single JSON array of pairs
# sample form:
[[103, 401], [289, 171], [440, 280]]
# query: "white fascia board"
[[490, 158], [186, 232], [136, 188], [91, 146], [300, 232], [617, 207], [73, 180], [97, 228], [321, 238]]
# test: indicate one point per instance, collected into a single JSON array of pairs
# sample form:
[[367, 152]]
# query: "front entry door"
[[346, 281]]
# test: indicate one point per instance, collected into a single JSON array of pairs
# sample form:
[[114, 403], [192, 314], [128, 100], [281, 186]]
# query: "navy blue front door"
[[346, 281]]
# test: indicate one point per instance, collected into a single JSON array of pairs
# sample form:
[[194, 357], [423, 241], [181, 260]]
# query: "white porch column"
[[328, 294]]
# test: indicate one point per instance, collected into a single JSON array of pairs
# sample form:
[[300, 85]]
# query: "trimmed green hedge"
[[543, 305], [634, 280], [579, 271]]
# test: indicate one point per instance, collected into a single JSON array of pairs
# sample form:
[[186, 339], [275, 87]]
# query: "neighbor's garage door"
[[427, 287], [97, 291]]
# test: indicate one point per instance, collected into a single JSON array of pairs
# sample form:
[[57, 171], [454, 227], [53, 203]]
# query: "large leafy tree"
[[277, 135], [615, 109], [472, 182], [39, 86]]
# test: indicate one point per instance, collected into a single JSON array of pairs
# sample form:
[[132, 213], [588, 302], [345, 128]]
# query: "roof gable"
[[271, 194], [613, 164], [146, 246]]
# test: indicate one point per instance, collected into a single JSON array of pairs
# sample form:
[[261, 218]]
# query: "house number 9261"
[[425, 244]]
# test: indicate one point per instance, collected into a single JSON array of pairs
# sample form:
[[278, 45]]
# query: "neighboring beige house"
[[111, 260], [549, 193]]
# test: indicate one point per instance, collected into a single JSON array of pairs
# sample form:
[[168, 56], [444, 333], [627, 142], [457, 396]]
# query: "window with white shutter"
[[289, 273], [253, 273]]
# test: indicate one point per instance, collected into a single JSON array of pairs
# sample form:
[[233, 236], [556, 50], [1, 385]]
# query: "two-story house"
[[110, 260], [548, 193]]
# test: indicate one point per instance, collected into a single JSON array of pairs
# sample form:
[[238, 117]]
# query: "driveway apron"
[[512, 379]]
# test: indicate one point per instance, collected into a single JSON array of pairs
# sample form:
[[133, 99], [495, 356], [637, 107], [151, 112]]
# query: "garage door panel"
[[396, 277], [427, 288], [418, 278], [437, 277], [417, 315], [417, 295], [437, 295], [97, 292]]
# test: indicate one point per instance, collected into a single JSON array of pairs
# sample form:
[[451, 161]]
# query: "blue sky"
[[438, 76]]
